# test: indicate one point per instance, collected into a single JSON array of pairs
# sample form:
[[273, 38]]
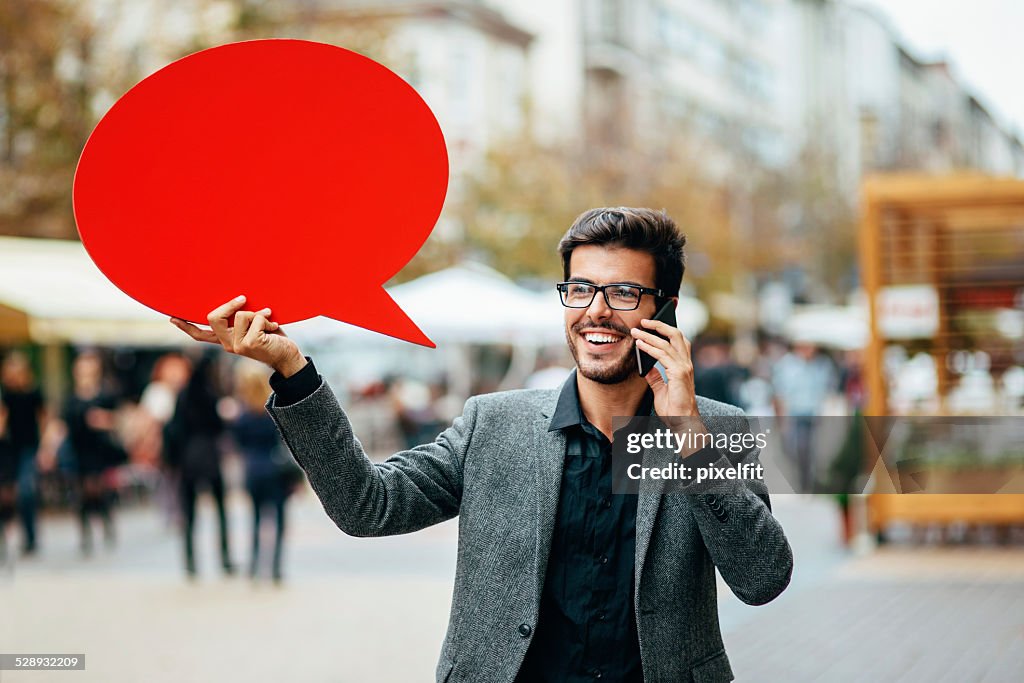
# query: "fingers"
[[243, 319], [673, 354], [242, 336], [219, 317], [674, 334], [648, 339], [659, 354], [258, 326], [196, 333], [654, 379]]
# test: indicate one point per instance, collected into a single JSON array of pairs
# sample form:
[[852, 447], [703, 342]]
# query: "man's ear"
[[661, 301]]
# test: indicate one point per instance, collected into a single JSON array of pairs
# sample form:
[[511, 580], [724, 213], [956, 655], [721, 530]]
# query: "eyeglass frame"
[[603, 289]]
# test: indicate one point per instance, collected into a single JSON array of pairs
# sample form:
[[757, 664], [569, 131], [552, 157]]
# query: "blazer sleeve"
[[411, 490], [744, 539]]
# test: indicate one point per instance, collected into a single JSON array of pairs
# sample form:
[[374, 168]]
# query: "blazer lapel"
[[648, 504], [548, 459], [647, 507]]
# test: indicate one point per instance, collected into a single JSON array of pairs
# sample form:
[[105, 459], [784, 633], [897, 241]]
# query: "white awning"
[[52, 292]]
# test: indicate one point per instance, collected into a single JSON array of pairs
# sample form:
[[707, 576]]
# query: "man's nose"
[[599, 309]]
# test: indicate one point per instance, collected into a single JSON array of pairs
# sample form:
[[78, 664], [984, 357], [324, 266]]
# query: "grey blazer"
[[499, 469]]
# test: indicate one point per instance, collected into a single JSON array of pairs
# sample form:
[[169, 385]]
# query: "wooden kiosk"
[[942, 260]]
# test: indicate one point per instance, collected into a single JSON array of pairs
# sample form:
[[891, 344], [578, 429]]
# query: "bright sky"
[[984, 40]]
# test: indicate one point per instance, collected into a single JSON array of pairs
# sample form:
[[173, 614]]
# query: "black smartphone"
[[667, 314]]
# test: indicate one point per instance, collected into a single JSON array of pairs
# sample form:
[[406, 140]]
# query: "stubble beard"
[[607, 371]]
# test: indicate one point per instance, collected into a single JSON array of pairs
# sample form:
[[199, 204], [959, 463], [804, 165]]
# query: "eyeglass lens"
[[622, 297]]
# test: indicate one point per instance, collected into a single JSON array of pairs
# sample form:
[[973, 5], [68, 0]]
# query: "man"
[[557, 579], [22, 403], [803, 379], [89, 421]]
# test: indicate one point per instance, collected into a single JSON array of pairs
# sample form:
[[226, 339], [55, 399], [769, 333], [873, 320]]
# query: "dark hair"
[[641, 229]]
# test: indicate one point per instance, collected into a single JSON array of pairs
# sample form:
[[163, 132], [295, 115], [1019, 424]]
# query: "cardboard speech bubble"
[[300, 174]]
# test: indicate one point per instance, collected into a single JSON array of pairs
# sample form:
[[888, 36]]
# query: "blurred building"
[[741, 85], [852, 86], [467, 61], [639, 74]]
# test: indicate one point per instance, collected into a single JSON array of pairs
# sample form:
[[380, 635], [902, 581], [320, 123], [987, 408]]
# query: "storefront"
[[943, 267]]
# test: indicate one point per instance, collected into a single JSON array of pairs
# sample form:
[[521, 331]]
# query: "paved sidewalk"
[[369, 610], [909, 614], [346, 607]]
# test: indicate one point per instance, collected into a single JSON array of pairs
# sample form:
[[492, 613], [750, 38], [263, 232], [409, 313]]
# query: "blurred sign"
[[908, 312], [987, 297]]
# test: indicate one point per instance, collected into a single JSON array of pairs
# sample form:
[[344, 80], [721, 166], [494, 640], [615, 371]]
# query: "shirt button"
[[603, 559], [596, 673], [605, 503], [525, 630], [602, 615]]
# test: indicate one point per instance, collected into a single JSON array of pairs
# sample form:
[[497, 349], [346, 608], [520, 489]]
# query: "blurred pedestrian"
[[25, 413], [191, 441], [414, 411], [170, 376], [270, 472], [89, 422], [803, 379], [8, 477], [715, 375]]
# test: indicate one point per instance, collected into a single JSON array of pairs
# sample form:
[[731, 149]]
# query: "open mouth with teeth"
[[600, 340]]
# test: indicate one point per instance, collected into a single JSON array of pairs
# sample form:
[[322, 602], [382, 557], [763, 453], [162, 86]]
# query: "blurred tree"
[[512, 210], [45, 99], [64, 63], [820, 223]]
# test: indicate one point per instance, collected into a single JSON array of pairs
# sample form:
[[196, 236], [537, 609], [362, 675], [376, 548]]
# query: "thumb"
[[655, 380]]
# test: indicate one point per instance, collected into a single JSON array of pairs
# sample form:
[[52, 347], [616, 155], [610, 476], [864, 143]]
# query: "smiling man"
[[558, 579]]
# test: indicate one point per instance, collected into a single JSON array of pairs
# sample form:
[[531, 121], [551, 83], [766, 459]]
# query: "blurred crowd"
[[196, 426], [170, 443], [794, 383]]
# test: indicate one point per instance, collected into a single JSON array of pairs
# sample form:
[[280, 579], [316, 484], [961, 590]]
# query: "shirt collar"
[[569, 413]]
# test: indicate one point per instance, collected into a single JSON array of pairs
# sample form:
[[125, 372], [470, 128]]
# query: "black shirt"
[[23, 417], [587, 623], [93, 448]]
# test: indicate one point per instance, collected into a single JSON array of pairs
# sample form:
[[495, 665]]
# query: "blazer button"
[[525, 630], [710, 498]]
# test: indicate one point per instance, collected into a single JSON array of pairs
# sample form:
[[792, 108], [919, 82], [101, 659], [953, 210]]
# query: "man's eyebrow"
[[588, 281]]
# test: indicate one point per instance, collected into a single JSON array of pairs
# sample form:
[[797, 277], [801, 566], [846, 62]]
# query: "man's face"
[[87, 371], [16, 373], [598, 336]]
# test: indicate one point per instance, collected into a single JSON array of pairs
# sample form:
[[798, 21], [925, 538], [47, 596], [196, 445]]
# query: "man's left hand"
[[674, 395]]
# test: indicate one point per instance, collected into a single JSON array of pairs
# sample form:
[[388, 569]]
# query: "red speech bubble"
[[300, 174]]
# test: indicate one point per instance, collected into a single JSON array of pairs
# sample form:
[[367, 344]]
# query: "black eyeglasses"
[[619, 297]]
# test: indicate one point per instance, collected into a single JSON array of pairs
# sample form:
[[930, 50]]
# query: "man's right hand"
[[253, 336]]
